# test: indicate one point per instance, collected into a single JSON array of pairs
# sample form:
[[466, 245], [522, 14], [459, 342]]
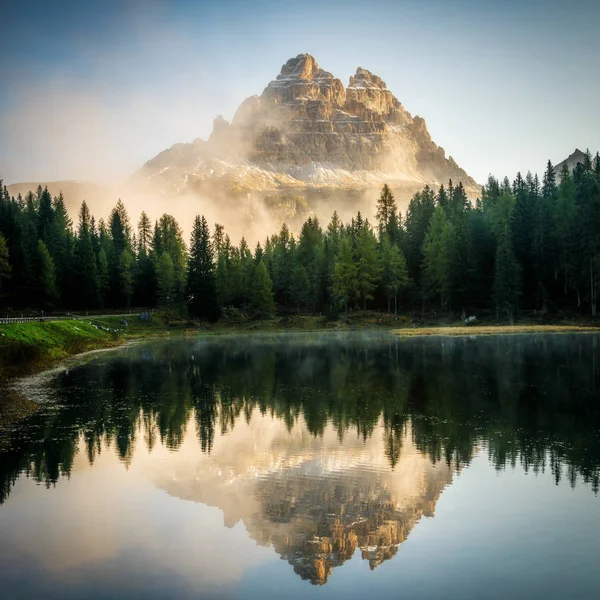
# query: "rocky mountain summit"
[[571, 161], [306, 130]]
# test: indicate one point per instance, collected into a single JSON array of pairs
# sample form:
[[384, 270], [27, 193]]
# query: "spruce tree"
[[263, 303], [299, 287], [45, 278], [5, 266], [394, 272], [223, 281], [201, 289], [345, 276], [144, 285], [165, 283], [126, 275], [386, 209], [103, 277], [85, 270]]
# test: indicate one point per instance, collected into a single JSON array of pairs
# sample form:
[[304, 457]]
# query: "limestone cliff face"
[[306, 129]]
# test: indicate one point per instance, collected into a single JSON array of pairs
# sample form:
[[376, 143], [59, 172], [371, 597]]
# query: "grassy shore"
[[404, 325], [30, 347]]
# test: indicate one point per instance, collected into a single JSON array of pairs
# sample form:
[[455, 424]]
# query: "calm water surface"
[[307, 466]]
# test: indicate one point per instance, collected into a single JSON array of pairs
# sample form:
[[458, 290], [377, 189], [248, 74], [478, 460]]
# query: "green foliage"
[[386, 209], [263, 304], [126, 275], [165, 281], [507, 276], [45, 278], [344, 276], [5, 267], [518, 246], [394, 272], [201, 288], [367, 263], [84, 264]]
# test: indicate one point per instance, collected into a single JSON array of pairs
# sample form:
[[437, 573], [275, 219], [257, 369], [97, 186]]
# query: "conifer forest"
[[521, 245]]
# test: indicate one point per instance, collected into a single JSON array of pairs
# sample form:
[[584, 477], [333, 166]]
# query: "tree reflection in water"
[[529, 400]]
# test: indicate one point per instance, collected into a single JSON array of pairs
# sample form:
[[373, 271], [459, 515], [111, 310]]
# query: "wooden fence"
[[8, 321]]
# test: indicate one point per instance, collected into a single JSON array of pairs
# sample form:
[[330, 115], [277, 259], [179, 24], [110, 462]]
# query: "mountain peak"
[[364, 78], [306, 129], [302, 66], [571, 161]]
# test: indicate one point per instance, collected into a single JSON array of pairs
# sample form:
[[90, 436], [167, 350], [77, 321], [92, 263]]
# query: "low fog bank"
[[251, 214]]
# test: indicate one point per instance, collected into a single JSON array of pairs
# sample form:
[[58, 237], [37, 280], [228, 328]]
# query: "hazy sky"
[[91, 90]]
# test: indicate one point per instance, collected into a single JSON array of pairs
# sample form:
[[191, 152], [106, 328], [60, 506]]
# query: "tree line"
[[520, 245]]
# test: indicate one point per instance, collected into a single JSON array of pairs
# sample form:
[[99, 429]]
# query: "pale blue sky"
[[92, 90]]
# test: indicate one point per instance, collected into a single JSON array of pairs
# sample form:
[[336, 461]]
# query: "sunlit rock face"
[[312, 499], [306, 130]]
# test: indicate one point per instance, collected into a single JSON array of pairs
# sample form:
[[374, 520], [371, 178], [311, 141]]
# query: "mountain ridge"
[[307, 130]]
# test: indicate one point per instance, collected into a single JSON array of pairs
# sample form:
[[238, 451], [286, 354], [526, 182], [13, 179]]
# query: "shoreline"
[[25, 357]]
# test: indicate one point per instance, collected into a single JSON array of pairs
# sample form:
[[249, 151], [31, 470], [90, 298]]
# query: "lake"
[[309, 466]]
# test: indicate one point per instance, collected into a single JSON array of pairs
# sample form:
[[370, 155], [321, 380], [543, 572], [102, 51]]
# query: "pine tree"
[[223, 281], [299, 286], [120, 233], [84, 264], [437, 258], [310, 254], [394, 274], [263, 304], [442, 198], [63, 244], [418, 216], [522, 226], [219, 238], [103, 276], [282, 264], [201, 289], [386, 209], [126, 274], [567, 218], [46, 288], [144, 284], [165, 282], [45, 218], [5, 266], [507, 284], [367, 263], [168, 237], [345, 276]]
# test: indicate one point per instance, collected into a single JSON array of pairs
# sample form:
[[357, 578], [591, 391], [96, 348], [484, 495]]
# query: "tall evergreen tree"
[[394, 273], [367, 263], [5, 266], [507, 277], [165, 283], [86, 294], [201, 289], [345, 276], [386, 209], [263, 303], [45, 278]]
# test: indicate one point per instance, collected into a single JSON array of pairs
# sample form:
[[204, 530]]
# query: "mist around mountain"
[[306, 145], [307, 131]]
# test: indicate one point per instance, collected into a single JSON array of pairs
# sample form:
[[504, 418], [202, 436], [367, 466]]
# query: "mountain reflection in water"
[[320, 444]]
